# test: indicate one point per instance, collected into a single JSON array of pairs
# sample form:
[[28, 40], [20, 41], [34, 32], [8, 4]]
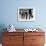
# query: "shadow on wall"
[[2, 26]]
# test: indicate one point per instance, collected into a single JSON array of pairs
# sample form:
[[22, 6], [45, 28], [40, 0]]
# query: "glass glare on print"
[[26, 14]]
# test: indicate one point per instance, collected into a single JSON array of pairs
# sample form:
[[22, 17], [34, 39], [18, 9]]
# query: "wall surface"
[[8, 13]]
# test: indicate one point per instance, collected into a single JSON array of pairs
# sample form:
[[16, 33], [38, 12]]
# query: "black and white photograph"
[[26, 14]]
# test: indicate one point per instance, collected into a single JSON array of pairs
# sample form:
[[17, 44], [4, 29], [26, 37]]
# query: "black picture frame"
[[26, 14]]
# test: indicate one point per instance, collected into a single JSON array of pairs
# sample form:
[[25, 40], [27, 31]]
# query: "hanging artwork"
[[26, 14]]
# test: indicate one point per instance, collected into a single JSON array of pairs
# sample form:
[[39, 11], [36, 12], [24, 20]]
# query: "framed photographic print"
[[26, 14]]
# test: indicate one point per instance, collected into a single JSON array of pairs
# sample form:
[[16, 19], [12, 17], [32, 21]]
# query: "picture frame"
[[26, 14]]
